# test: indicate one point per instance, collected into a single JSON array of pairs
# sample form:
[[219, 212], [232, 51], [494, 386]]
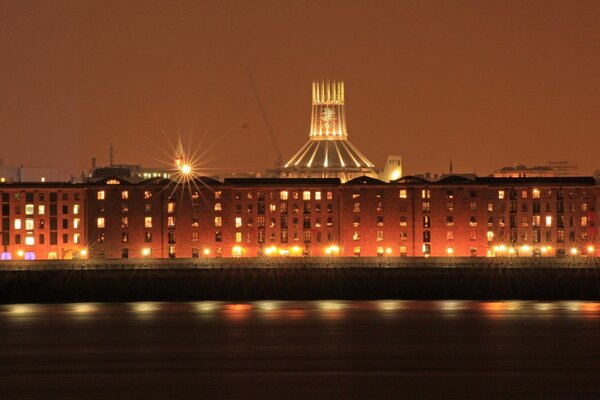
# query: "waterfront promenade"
[[299, 279]]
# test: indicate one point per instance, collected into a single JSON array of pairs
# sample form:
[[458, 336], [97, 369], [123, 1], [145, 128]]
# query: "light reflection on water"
[[328, 309]]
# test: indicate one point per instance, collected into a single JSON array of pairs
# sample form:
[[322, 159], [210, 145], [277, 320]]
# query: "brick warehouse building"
[[414, 217]]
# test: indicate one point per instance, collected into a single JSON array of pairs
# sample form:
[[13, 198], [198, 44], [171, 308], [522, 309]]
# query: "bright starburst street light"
[[186, 169]]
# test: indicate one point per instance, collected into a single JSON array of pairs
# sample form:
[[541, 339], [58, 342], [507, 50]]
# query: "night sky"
[[486, 83]]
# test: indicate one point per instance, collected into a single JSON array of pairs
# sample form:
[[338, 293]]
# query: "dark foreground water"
[[301, 350]]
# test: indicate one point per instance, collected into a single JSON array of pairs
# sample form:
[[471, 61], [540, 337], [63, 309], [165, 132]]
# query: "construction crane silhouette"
[[279, 163]]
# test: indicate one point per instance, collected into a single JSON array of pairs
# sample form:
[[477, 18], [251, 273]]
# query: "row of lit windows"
[[30, 223], [536, 194], [30, 239], [29, 196], [284, 195], [101, 194]]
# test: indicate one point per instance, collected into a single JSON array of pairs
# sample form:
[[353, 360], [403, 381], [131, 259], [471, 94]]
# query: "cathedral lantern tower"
[[328, 153]]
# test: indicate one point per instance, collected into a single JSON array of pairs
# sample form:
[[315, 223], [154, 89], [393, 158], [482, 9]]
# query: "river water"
[[301, 350]]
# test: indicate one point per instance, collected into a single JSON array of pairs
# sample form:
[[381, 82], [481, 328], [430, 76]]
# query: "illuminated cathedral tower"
[[328, 153]]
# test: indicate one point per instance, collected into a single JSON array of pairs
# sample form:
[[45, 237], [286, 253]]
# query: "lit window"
[[124, 194], [473, 206], [402, 193], [317, 195], [147, 222], [101, 222], [29, 209], [17, 223], [283, 195], [306, 195], [170, 207], [583, 206], [329, 195], [449, 235], [76, 209], [171, 222], [41, 209], [147, 194], [356, 235], [356, 207], [501, 194], [124, 222], [473, 221], [101, 195], [29, 241], [218, 194], [238, 222], [425, 193], [584, 221], [76, 238], [536, 220], [523, 194], [548, 221], [238, 237], [217, 206], [535, 193], [113, 182], [449, 220], [272, 208], [218, 221], [403, 221], [426, 206], [76, 222], [379, 237], [29, 224], [490, 236]]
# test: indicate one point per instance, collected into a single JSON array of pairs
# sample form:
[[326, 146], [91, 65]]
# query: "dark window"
[[65, 238], [124, 253], [53, 224], [17, 239], [65, 209], [41, 239], [53, 238], [52, 209], [29, 197], [65, 224], [53, 197]]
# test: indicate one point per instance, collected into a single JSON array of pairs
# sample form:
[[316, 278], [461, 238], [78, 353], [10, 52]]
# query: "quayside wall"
[[302, 279]]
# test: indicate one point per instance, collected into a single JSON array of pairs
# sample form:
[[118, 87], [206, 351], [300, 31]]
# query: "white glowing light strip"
[[326, 163], [339, 154], [296, 155], [348, 145], [360, 155], [313, 155]]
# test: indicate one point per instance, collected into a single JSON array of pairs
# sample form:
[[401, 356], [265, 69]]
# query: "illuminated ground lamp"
[[544, 250], [573, 251], [236, 251], [296, 251], [590, 250], [271, 251], [526, 249], [388, 251], [511, 251], [450, 251], [83, 253], [206, 252], [146, 252]]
